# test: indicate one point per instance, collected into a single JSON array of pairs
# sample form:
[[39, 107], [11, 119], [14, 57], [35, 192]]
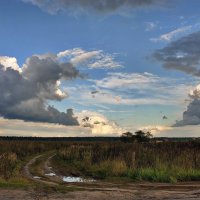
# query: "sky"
[[99, 67]]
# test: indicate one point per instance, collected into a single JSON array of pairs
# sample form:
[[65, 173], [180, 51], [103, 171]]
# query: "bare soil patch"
[[135, 194]]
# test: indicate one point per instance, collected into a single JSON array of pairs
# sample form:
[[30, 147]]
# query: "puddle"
[[50, 174], [37, 177], [71, 179]]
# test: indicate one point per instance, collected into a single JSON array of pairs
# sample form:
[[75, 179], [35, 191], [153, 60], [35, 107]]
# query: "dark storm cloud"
[[24, 95], [53, 6], [192, 115], [182, 55]]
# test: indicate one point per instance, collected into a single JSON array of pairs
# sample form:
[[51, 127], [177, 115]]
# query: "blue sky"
[[115, 50]]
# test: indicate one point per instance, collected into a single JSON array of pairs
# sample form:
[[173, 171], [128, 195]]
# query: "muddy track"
[[28, 175], [99, 190], [57, 179], [104, 186]]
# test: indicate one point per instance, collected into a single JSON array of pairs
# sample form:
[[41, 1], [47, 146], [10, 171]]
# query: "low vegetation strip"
[[155, 162], [135, 161]]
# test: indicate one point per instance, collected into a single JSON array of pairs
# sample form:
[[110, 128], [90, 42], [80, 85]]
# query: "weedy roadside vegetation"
[[155, 162], [135, 161]]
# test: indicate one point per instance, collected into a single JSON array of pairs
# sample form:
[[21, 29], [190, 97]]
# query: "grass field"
[[155, 162], [166, 162]]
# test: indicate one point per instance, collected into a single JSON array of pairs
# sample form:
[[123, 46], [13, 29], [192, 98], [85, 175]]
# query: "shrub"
[[8, 164]]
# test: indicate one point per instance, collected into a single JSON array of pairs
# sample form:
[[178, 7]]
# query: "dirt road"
[[28, 175], [136, 194], [100, 190]]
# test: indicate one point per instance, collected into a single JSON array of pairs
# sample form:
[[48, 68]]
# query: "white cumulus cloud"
[[98, 123], [92, 59], [11, 62], [170, 35]]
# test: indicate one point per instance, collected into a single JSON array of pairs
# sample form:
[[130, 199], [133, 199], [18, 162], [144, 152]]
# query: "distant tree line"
[[60, 139], [139, 136]]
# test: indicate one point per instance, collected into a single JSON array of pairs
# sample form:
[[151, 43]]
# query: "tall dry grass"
[[165, 162]]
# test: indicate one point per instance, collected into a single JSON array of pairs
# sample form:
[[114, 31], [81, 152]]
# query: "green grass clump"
[[164, 175], [152, 175], [188, 175], [16, 182]]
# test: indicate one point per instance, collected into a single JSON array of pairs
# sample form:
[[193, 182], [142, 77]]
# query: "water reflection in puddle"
[[71, 179], [37, 177], [50, 174]]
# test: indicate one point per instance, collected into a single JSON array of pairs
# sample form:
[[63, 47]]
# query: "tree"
[[139, 136], [142, 136], [127, 137]]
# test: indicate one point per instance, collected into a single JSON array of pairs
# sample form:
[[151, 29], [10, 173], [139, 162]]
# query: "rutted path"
[[28, 175], [105, 190], [56, 179]]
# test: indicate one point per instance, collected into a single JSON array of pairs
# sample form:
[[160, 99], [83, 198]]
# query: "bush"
[[8, 165]]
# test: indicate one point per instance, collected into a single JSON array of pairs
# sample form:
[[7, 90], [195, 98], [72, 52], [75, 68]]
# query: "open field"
[[120, 170], [154, 162]]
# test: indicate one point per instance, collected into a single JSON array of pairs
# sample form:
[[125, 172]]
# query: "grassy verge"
[[17, 182], [37, 168], [117, 170], [106, 170], [66, 168], [165, 175], [20, 183]]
